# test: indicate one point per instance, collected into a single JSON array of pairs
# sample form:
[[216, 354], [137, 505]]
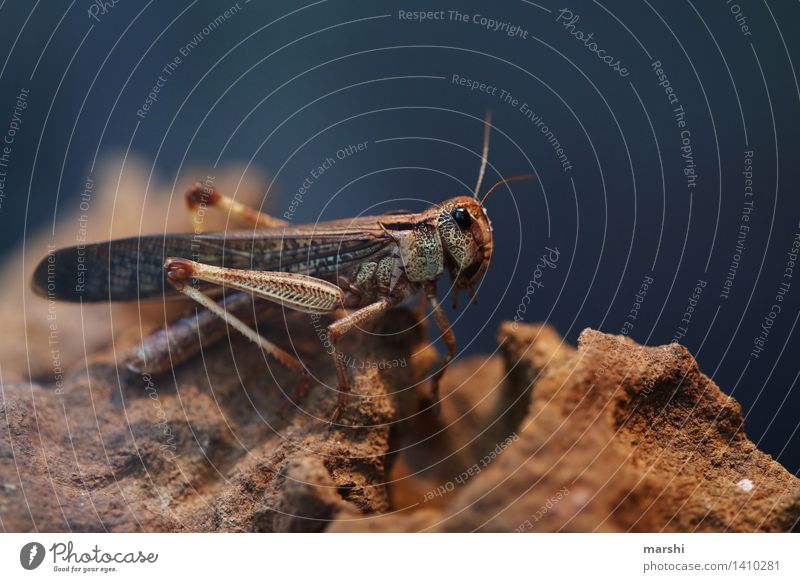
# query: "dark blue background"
[[340, 70]]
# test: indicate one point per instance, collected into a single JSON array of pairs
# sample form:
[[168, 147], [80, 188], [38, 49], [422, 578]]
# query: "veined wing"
[[132, 268]]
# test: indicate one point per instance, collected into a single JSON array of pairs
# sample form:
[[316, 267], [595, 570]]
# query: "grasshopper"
[[362, 265]]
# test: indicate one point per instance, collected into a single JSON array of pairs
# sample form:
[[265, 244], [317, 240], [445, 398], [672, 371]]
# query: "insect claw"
[[337, 412], [341, 405], [419, 308], [474, 294], [431, 403], [299, 391]]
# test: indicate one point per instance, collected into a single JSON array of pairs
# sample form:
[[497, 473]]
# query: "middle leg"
[[336, 330]]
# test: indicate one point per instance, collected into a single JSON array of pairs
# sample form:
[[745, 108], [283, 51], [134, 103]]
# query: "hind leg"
[[183, 338], [199, 197], [298, 292]]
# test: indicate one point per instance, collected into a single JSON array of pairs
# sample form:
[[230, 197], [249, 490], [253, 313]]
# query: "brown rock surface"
[[613, 437], [618, 437], [204, 450]]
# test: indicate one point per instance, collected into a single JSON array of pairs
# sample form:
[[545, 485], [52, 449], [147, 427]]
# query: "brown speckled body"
[[366, 265], [368, 258]]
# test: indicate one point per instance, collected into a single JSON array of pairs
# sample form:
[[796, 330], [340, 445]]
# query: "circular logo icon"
[[31, 555]]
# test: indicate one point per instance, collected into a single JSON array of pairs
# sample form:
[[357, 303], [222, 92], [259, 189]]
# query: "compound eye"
[[462, 218]]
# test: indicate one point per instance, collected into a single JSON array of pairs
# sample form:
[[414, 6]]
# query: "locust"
[[355, 269]]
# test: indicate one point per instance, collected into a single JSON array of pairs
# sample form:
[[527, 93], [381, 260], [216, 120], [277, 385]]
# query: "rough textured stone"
[[204, 450], [614, 437], [618, 437]]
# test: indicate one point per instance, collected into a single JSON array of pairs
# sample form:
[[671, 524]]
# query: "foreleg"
[[447, 335]]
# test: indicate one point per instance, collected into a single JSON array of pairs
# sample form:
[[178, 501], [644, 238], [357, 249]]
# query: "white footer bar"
[[379, 557]]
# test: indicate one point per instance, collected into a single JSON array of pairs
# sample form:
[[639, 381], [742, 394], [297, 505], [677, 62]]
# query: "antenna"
[[487, 127], [506, 181]]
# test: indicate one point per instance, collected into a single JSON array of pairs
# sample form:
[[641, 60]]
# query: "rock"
[[204, 450], [618, 437], [609, 437]]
